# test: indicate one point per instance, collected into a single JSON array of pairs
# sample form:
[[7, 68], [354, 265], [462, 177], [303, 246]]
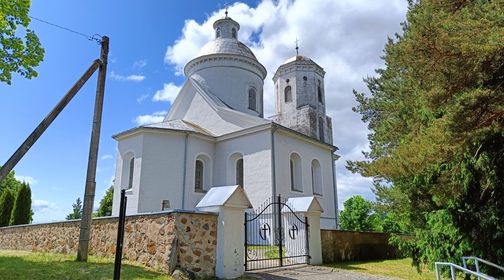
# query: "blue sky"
[[150, 41]]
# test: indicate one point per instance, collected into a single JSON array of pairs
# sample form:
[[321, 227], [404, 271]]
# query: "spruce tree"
[[77, 210], [105, 208], [6, 205], [21, 213]]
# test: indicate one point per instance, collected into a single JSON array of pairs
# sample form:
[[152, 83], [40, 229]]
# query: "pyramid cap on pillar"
[[303, 204], [225, 196]]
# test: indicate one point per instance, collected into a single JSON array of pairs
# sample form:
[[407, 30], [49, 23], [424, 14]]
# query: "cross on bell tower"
[[297, 47]]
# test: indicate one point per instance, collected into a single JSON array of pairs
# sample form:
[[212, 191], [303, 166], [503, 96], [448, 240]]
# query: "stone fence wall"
[[340, 245], [161, 241]]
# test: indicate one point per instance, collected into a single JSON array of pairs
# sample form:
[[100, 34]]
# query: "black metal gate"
[[275, 235]]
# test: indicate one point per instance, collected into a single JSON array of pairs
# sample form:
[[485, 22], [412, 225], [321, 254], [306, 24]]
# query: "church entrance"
[[275, 236]]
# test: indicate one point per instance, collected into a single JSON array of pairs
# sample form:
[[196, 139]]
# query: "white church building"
[[215, 134]]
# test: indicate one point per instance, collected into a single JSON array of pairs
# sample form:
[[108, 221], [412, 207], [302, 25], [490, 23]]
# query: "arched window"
[[202, 173], [234, 169], [316, 173], [319, 91], [288, 94], [198, 176], [131, 171], [252, 99], [217, 32], [239, 172], [295, 173], [321, 129], [233, 33]]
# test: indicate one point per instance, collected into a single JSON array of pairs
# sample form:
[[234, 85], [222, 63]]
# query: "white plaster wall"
[[132, 145], [197, 146], [230, 81], [256, 152], [162, 170], [286, 144]]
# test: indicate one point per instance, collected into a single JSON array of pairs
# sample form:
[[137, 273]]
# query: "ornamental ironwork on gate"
[[275, 235]]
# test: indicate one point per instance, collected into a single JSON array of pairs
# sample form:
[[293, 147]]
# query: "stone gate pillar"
[[230, 203]]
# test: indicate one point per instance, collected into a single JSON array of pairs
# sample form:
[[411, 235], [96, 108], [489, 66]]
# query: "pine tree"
[[77, 210], [21, 212], [436, 116], [6, 206]]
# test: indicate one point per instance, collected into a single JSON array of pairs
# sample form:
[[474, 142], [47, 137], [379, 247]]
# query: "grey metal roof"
[[226, 46], [298, 58], [179, 125]]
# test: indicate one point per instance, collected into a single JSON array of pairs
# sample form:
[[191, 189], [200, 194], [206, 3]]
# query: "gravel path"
[[307, 272]]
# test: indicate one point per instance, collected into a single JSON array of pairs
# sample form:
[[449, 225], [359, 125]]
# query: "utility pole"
[[46, 122], [89, 194]]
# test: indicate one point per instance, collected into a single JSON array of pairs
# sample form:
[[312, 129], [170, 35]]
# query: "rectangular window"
[[252, 99], [239, 172], [198, 176]]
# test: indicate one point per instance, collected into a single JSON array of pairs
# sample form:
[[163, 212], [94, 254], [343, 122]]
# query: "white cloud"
[[27, 179], [168, 93], [155, 117], [43, 209], [142, 97], [140, 63], [106, 156], [132, 78], [345, 37]]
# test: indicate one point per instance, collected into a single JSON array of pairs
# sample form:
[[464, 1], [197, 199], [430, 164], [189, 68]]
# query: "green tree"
[[436, 116], [6, 206], [77, 210], [17, 55], [10, 182], [21, 212], [105, 208], [357, 215]]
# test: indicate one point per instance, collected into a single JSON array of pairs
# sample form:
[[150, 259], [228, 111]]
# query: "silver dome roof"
[[226, 46], [298, 58]]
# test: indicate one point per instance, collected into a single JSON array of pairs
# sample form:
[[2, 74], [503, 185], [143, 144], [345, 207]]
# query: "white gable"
[[233, 196], [197, 105], [304, 204]]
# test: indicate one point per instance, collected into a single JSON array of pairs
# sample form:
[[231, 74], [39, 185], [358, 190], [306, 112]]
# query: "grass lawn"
[[400, 268], [28, 265]]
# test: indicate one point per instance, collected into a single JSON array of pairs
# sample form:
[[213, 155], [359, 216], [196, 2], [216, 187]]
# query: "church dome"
[[230, 70], [226, 46], [298, 58]]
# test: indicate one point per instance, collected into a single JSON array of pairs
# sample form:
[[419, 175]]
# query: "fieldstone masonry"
[[162, 241]]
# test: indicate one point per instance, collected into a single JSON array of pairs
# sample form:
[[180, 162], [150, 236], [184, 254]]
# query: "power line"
[[95, 37]]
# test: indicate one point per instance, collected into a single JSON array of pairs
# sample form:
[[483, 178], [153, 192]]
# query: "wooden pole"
[[44, 124], [89, 194]]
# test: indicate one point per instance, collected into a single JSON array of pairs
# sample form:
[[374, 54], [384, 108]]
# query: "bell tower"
[[300, 98]]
